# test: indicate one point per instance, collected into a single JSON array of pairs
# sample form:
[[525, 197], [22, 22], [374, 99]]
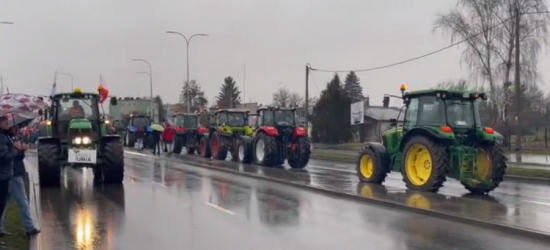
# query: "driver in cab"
[[76, 110]]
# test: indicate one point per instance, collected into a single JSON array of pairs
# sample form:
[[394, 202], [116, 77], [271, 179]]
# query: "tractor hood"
[[80, 123]]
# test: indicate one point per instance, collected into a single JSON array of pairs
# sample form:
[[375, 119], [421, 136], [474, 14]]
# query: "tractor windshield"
[[82, 106], [237, 119], [141, 121], [284, 117], [178, 120], [462, 113], [190, 121]]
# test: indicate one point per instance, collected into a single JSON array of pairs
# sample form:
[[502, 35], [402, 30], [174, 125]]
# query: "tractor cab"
[[232, 117], [185, 121], [76, 116], [139, 123], [279, 121]]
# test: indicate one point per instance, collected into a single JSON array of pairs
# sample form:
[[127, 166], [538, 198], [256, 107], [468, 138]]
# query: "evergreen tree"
[[352, 86], [331, 121], [229, 95]]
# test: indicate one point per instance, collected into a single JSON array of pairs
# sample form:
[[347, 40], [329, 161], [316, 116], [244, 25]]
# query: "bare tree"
[[281, 97], [490, 55], [295, 100]]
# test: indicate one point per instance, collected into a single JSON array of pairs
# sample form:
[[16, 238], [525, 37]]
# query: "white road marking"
[[219, 208]]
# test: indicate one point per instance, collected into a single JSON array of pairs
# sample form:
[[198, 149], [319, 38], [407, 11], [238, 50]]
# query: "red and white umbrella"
[[20, 103]]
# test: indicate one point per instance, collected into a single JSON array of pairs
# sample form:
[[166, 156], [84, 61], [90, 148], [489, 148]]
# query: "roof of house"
[[382, 113]]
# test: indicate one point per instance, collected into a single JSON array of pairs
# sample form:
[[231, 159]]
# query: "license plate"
[[82, 156]]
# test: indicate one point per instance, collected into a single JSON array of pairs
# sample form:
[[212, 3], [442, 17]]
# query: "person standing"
[[8, 151], [155, 139], [168, 138], [18, 192]]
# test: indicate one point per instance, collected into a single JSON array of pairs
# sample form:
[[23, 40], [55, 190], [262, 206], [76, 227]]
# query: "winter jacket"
[[168, 134], [8, 153], [19, 165]]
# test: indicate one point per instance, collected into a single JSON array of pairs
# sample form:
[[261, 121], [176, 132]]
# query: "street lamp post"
[[187, 43], [150, 73], [67, 74]]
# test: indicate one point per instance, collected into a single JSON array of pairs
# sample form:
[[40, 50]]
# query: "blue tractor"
[[138, 127]]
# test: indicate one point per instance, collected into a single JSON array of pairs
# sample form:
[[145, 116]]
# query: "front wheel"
[[218, 146], [204, 147], [370, 168], [242, 151], [301, 153], [111, 170], [178, 144], [49, 168]]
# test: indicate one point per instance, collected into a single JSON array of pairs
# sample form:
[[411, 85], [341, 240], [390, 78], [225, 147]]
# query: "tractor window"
[[190, 121], [85, 106], [411, 114], [237, 119], [284, 117], [430, 111], [141, 121], [178, 121], [461, 113]]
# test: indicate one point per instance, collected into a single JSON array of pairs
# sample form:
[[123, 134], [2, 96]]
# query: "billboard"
[[357, 113]]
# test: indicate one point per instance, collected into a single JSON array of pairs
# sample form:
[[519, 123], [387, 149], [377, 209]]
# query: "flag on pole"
[[53, 91], [102, 89]]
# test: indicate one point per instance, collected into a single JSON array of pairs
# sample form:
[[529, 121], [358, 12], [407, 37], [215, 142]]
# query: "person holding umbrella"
[[156, 137], [17, 183]]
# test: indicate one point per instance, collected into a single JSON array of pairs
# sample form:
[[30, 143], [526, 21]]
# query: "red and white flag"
[[103, 90]]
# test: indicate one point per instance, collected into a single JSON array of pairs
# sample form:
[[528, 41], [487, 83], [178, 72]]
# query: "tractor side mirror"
[[114, 101], [393, 122]]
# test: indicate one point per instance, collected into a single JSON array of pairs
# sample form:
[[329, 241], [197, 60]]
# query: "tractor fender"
[[423, 131], [48, 139], [246, 139], [110, 138], [380, 150]]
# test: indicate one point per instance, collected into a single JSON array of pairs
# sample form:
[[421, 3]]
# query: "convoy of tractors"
[[440, 136], [272, 140]]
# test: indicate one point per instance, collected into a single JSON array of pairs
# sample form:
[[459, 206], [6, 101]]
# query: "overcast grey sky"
[[274, 38]]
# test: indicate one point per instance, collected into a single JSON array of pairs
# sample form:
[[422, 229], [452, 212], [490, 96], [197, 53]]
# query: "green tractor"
[[77, 135], [188, 132], [441, 137], [226, 130]]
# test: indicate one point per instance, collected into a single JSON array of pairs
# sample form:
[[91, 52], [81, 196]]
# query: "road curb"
[[538, 235], [35, 242]]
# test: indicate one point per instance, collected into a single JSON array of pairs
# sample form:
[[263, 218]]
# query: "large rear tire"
[[301, 155], [49, 168], [425, 164], [218, 146], [243, 151], [491, 165], [370, 167], [204, 147], [178, 144], [131, 139], [111, 170], [265, 151]]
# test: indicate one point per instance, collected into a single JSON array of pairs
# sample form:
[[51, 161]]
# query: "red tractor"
[[188, 132], [277, 138]]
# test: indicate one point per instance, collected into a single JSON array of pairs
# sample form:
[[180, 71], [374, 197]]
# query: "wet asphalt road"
[[165, 204]]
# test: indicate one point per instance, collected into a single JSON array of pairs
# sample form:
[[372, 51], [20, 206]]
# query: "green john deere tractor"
[[441, 137], [225, 132], [77, 135]]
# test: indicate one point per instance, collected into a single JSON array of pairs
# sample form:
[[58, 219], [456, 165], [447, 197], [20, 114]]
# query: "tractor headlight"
[[82, 140]]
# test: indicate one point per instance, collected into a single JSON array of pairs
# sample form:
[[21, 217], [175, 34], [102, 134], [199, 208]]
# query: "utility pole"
[[2, 85], [244, 82], [308, 68], [517, 82]]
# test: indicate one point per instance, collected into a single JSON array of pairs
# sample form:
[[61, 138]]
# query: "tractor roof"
[[275, 108], [434, 92], [232, 111], [185, 114]]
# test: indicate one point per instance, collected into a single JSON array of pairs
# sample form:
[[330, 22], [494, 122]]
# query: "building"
[[131, 105], [377, 121]]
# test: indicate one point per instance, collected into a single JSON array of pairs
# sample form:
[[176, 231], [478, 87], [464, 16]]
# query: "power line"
[[418, 57]]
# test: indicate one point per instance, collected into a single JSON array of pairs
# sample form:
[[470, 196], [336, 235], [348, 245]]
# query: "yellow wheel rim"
[[484, 165], [366, 166], [418, 165]]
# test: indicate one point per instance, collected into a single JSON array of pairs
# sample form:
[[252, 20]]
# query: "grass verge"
[[511, 171], [14, 225]]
